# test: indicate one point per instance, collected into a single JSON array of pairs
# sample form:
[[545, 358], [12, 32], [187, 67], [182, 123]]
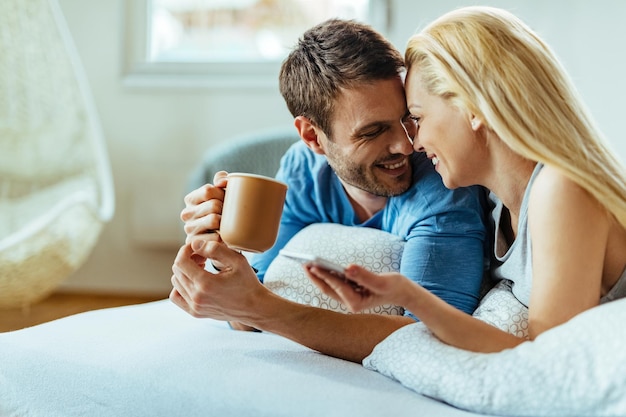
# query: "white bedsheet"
[[155, 360]]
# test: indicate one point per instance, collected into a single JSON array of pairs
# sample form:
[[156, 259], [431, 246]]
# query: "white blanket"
[[155, 360]]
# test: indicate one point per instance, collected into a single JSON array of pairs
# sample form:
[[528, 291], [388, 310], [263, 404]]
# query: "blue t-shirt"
[[444, 230]]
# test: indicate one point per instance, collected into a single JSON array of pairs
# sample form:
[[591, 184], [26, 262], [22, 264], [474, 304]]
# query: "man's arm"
[[235, 294], [346, 336], [447, 245], [450, 267]]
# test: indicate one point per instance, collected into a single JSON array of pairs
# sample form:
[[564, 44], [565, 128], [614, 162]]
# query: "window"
[[225, 43]]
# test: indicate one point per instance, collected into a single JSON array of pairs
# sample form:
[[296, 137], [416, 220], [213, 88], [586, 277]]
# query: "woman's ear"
[[309, 133], [475, 123]]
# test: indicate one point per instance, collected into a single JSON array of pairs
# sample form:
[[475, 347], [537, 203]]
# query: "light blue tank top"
[[514, 262]]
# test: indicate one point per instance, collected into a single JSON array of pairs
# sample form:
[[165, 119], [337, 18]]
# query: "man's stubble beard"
[[365, 178]]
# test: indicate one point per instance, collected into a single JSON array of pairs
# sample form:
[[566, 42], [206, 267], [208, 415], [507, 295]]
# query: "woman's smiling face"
[[445, 134]]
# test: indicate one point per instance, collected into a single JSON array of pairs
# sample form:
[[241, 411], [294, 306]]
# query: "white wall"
[[588, 36], [156, 136]]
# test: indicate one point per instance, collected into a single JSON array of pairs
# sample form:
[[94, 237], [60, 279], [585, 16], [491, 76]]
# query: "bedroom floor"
[[64, 304]]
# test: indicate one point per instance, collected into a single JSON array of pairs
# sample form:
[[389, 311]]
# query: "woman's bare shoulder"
[[552, 188]]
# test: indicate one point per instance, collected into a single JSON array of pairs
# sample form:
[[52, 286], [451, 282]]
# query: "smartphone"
[[306, 258]]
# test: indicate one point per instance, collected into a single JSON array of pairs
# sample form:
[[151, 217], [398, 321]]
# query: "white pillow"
[[501, 309], [374, 249], [576, 369]]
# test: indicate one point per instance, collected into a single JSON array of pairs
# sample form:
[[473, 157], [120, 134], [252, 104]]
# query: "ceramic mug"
[[253, 206]]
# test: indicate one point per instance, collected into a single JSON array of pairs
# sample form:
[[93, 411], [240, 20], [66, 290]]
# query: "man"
[[355, 166]]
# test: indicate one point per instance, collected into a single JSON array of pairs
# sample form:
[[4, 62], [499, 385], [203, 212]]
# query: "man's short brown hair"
[[330, 56]]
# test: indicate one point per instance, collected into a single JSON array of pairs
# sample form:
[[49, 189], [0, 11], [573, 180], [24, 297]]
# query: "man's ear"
[[309, 133]]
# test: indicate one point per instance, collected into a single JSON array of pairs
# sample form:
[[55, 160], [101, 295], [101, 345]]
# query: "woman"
[[494, 107]]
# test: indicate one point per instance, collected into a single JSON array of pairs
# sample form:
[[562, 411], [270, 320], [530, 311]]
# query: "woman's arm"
[[569, 231], [449, 324]]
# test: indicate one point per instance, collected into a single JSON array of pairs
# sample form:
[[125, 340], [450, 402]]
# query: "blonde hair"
[[488, 62]]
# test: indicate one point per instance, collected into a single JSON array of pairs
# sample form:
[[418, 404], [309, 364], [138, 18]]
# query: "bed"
[[155, 360]]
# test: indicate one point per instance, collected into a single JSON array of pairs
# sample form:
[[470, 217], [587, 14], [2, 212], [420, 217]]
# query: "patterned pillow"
[[576, 369], [501, 309], [374, 249]]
